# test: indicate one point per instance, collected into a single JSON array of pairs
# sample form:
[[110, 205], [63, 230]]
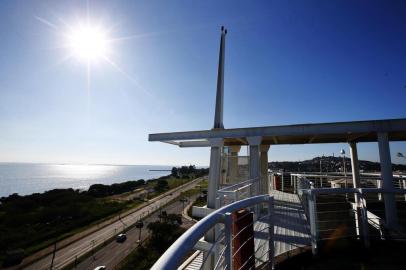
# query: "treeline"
[[328, 164], [28, 221], [100, 190], [189, 171], [185, 172]]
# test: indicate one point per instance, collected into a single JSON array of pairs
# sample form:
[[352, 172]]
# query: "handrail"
[[237, 185], [340, 174], [309, 203], [173, 257], [352, 190]]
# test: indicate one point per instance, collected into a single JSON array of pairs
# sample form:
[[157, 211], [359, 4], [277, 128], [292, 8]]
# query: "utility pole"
[[93, 257], [139, 225], [53, 256], [56, 239]]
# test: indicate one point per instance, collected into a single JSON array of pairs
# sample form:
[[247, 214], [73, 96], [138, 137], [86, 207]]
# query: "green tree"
[[163, 234], [175, 172], [161, 185]]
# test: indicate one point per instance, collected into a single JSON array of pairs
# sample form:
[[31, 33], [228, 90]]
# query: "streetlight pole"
[[342, 152], [139, 225]]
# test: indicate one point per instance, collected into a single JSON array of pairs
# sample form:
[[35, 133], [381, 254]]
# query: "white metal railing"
[[221, 249], [230, 193], [362, 218], [236, 192], [367, 180]]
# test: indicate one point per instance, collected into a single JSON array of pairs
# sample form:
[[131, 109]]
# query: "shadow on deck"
[[291, 229]]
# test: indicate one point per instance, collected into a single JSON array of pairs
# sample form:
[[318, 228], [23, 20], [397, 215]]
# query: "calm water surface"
[[31, 178]]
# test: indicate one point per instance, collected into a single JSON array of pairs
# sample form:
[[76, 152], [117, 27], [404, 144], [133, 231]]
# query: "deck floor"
[[291, 228], [291, 231]]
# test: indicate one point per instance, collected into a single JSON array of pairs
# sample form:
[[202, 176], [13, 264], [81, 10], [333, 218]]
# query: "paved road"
[[113, 253], [67, 254]]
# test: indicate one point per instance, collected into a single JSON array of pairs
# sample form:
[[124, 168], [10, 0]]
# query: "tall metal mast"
[[218, 117]]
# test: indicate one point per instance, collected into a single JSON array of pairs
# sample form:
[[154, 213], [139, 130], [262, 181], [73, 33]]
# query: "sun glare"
[[88, 42]]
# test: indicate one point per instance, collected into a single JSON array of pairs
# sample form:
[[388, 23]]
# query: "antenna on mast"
[[218, 117]]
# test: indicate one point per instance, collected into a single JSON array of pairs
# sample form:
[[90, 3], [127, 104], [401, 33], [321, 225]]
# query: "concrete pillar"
[[214, 171], [264, 188], [354, 165], [233, 164], [214, 179], [387, 179], [254, 164]]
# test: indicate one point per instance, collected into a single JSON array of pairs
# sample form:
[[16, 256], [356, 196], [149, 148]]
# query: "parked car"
[[101, 267], [121, 238]]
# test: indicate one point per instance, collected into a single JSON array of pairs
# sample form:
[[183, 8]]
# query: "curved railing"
[[236, 192], [176, 253], [363, 222]]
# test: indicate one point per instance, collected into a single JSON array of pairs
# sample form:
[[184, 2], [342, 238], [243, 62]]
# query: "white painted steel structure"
[[174, 256], [259, 140]]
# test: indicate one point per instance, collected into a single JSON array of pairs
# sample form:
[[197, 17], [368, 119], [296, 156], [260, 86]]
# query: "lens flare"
[[88, 42]]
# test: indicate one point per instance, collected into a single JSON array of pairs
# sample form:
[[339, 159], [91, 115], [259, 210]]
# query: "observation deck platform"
[[291, 229], [291, 232]]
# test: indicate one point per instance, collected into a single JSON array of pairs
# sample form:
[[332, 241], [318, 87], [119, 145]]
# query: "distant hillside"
[[329, 164]]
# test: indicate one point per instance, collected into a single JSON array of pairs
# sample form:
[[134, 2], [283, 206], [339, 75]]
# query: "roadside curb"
[[185, 212], [74, 238]]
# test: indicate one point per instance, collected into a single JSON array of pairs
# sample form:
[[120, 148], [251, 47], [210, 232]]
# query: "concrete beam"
[[254, 140], [312, 138], [171, 142], [355, 137], [345, 128], [203, 143], [275, 140]]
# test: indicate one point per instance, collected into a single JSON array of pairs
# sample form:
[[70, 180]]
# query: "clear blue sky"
[[287, 62]]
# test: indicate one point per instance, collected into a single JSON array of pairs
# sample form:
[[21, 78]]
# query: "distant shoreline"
[[30, 178], [84, 164]]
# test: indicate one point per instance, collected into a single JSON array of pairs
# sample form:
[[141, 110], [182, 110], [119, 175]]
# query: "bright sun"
[[88, 43]]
